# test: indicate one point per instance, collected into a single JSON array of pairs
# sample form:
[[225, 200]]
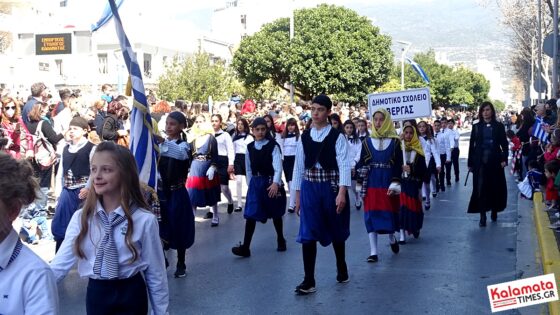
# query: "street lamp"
[[403, 54], [291, 37]]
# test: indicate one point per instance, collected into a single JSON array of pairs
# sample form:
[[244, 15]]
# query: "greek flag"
[[142, 143], [539, 132], [105, 17], [418, 70]]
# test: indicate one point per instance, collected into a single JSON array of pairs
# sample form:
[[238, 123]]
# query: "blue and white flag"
[[539, 132], [418, 70], [105, 17], [142, 144]]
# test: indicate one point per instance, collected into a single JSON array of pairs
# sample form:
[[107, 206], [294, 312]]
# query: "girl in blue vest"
[[73, 175], [177, 217], [266, 197], [380, 166]]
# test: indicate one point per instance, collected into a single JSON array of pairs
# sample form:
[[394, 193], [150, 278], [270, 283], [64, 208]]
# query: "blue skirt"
[[68, 203], [177, 218], [318, 218], [202, 191], [259, 205]]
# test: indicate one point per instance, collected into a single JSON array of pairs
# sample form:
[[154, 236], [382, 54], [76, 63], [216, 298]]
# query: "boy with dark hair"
[[321, 178]]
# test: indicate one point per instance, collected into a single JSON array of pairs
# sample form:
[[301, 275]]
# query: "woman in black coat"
[[488, 155]]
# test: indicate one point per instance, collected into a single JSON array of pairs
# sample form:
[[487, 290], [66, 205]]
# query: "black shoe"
[[209, 215], [482, 222], [494, 216], [305, 288], [395, 247], [449, 183], [372, 259], [181, 271], [416, 234], [166, 263], [238, 209], [291, 210], [342, 277], [456, 179], [281, 245], [241, 250], [434, 195], [423, 198], [230, 208], [402, 242]]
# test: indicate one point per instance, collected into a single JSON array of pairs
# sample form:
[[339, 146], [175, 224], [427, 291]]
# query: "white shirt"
[[354, 147], [225, 146], [442, 142], [240, 145], [430, 150], [145, 238], [453, 136], [27, 285], [342, 158], [289, 145], [276, 162], [61, 122]]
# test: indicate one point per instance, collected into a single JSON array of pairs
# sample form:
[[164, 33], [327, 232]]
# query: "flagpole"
[[401, 125]]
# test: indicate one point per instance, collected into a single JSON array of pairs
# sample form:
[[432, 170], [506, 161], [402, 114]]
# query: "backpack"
[[44, 152]]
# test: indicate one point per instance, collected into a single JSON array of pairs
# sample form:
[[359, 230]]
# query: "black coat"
[[489, 181]]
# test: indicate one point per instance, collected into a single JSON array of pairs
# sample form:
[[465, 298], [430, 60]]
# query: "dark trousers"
[[455, 162], [440, 179], [121, 296], [309, 251]]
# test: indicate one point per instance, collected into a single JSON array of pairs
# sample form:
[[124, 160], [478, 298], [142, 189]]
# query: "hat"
[[322, 100], [79, 122], [258, 121]]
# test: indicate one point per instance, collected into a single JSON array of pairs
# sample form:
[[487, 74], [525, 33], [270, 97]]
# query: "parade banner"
[[403, 105]]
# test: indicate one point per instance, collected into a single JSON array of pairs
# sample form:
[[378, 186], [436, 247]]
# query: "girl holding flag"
[[411, 214]]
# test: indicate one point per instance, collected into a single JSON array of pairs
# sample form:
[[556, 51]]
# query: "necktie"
[[107, 258]]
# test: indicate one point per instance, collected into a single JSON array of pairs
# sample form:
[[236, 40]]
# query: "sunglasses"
[[10, 107]]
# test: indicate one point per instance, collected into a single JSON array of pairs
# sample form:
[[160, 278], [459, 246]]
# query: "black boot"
[[482, 222], [494, 216]]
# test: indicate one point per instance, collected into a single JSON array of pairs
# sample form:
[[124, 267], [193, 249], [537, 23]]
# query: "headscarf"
[[414, 144], [387, 129], [199, 130]]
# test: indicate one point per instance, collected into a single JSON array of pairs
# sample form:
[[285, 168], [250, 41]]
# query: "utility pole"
[[554, 92], [539, 51]]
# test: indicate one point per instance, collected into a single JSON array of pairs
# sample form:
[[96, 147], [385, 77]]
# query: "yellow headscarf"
[[199, 130], [414, 144], [387, 129]]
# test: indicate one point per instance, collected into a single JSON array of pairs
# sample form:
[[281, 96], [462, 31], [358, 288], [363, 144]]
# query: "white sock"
[[292, 203], [402, 237], [433, 183], [373, 243], [214, 210], [227, 193], [426, 191], [392, 238], [239, 189]]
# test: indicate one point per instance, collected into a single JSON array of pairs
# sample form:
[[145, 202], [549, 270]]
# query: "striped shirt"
[[342, 159], [174, 150]]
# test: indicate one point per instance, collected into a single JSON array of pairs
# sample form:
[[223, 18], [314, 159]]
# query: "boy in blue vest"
[[321, 178]]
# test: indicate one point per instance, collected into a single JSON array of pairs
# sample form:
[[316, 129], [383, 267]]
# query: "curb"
[[548, 247]]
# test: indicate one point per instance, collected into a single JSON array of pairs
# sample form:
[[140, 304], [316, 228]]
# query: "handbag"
[[43, 151]]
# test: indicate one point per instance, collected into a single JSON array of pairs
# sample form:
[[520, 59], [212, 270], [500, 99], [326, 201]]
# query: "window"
[[103, 66], [148, 65], [59, 70]]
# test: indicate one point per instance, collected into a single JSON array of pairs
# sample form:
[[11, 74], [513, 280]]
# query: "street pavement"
[[445, 271]]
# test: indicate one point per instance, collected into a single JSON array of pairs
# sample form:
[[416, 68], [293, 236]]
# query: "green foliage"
[[499, 105], [334, 50], [196, 78], [448, 86], [265, 91]]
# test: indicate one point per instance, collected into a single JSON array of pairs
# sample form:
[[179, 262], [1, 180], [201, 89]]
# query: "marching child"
[[321, 180], [73, 176], [289, 141], [115, 240], [177, 217], [354, 145], [266, 197], [241, 139]]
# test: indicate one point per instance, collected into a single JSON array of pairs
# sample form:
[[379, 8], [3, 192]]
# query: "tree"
[[196, 78], [334, 51], [499, 105], [448, 85]]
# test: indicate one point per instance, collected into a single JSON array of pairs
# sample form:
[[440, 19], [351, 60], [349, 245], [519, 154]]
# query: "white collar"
[[7, 248]]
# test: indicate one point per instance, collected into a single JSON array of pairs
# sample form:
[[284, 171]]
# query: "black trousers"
[[455, 163], [121, 296], [440, 179]]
